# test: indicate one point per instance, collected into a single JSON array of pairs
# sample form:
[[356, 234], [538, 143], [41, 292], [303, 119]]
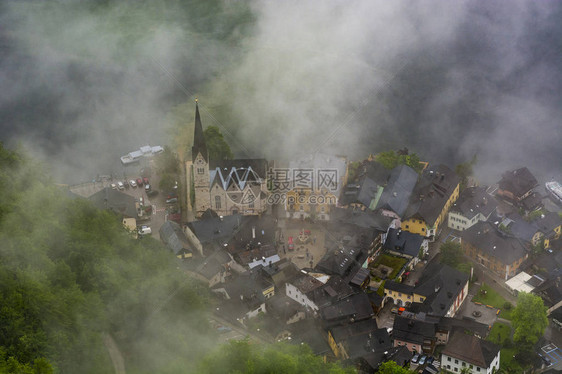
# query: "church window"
[[217, 202], [200, 170]]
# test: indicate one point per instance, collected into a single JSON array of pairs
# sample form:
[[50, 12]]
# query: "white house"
[[474, 205], [463, 350], [300, 289]]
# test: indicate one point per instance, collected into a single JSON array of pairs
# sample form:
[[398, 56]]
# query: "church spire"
[[199, 145]]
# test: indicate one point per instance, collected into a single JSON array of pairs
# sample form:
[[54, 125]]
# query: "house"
[[494, 249], [225, 186], [315, 183], [216, 232], [468, 351], [352, 341], [516, 185], [441, 291], [301, 290], [416, 335], [523, 282], [176, 240], [475, 204], [279, 273], [444, 288], [550, 225], [396, 194], [363, 194], [285, 310], [435, 193], [515, 225], [356, 307], [120, 203], [213, 269], [406, 244], [353, 220]]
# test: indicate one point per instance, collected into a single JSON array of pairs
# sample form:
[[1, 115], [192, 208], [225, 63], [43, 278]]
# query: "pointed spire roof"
[[199, 145]]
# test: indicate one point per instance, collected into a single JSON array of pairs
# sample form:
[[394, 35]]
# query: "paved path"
[[114, 354]]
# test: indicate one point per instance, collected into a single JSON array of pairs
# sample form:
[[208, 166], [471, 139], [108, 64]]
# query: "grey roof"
[[217, 230], [173, 236], [411, 330], [441, 284], [518, 181], [432, 193], [364, 191], [360, 277], [398, 287], [404, 242], [355, 307], [398, 190], [464, 324], [473, 201], [489, 239], [199, 145], [363, 219], [377, 172], [341, 333], [116, 201], [471, 349], [520, 228], [548, 222]]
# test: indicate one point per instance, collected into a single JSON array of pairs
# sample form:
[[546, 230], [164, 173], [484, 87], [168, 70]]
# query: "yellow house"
[[304, 203], [550, 225], [435, 193], [401, 294]]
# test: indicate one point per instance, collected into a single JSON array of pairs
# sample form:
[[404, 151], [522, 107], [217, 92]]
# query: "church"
[[226, 187]]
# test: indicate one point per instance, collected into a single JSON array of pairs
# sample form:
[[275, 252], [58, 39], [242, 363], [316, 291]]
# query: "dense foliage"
[[452, 255], [391, 159], [216, 145], [239, 357], [529, 320], [70, 277]]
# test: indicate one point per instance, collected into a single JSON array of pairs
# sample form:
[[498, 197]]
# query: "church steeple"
[[199, 145]]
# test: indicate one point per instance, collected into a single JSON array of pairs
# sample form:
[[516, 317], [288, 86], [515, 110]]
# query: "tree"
[[391, 159], [243, 357], [217, 147], [391, 367], [529, 320], [465, 170], [451, 254]]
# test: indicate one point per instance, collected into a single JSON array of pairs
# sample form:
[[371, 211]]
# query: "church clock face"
[[200, 161]]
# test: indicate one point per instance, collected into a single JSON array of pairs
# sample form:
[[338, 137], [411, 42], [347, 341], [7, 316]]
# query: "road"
[[114, 354]]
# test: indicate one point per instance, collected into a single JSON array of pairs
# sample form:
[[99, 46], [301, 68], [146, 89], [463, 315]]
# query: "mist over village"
[[280, 187]]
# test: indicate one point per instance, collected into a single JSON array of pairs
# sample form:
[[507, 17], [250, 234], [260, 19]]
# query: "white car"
[[120, 185], [145, 230], [113, 186], [132, 183]]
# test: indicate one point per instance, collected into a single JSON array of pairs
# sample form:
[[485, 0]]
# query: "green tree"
[[529, 320], [391, 159], [217, 147], [465, 170], [391, 367], [241, 356], [451, 254]]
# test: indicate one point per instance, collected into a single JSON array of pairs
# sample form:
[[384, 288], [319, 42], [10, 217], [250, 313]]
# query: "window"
[[464, 364], [200, 170], [423, 228], [448, 366], [449, 359], [251, 205], [456, 361], [217, 202], [477, 369], [456, 369], [301, 208], [407, 226]]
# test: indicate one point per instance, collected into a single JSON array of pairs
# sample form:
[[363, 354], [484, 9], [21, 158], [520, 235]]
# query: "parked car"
[[139, 182], [120, 185], [172, 200], [147, 187], [132, 183], [145, 180], [113, 186], [430, 360], [415, 358], [126, 184], [145, 230], [422, 359]]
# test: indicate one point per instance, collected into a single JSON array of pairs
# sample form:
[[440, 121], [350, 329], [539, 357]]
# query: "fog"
[[85, 83]]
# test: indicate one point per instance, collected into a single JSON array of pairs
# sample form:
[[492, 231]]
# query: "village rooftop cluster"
[[347, 259]]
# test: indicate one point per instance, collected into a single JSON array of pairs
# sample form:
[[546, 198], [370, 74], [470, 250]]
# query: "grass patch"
[[396, 263], [508, 362], [499, 333], [494, 299]]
